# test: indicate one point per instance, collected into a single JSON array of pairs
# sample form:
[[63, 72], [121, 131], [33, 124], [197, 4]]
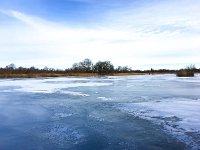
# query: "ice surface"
[[104, 98], [187, 111], [179, 116], [50, 85], [144, 112], [61, 115], [74, 93], [64, 136]]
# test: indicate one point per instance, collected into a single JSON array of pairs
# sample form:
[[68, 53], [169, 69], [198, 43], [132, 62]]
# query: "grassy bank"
[[39, 75]]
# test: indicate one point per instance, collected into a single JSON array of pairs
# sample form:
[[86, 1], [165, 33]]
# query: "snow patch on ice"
[[44, 86], [75, 93], [179, 117], [104, 98], [6, 91], [151, 85]]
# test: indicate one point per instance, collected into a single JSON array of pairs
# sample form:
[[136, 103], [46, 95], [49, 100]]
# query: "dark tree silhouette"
[[83, 66], [104, 67], [11, 66], [123, 69], [86, 65], [76, 67]]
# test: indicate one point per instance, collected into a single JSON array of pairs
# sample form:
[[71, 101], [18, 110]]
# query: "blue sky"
[[142, 34]]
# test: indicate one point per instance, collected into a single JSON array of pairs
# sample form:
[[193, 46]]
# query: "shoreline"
[[39, 75]]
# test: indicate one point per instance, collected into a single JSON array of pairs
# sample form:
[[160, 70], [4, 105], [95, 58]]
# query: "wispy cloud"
[[160, 17], [139, 37]]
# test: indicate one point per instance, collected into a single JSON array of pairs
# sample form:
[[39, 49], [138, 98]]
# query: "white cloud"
[[134, 38]]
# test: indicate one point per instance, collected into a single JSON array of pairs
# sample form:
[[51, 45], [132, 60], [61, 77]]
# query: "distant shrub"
[[187, 72]]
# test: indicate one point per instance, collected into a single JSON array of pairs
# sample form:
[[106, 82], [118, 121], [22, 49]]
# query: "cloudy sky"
[[142, 34]]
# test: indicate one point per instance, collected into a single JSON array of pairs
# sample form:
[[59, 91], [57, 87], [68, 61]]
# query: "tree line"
[[85, 66]]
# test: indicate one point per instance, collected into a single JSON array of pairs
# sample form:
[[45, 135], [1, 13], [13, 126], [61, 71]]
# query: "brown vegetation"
[[38, 75], [87, 68], [187, 72]]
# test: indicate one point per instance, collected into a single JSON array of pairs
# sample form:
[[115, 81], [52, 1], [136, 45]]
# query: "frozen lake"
[[159, 112]]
